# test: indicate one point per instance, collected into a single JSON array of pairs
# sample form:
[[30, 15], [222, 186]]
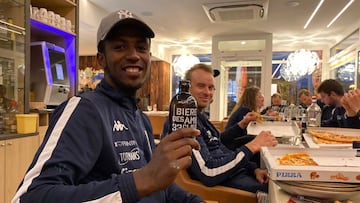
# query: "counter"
[[15, 135]]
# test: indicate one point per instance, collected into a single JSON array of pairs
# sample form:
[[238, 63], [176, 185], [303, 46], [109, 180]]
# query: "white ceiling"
[[184, 22]]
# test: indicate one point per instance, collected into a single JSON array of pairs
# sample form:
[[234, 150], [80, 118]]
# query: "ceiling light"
[[341, 12], [313, 14], [183, 63], [293, 3], [299, 63]]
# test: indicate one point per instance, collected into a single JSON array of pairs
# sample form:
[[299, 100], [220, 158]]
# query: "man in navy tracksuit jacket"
[[333, 112], [99, 146], [215, 164]]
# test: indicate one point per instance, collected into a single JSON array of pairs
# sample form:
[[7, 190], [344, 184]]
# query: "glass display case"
[[12, 51]]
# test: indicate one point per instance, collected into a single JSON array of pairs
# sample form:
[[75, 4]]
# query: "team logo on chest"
[[118, 126]]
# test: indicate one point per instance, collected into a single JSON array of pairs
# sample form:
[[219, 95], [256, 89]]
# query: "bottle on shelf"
[[10, 118], [183, 109], [314, 114]]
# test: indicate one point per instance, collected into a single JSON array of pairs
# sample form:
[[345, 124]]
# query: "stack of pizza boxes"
[[332, 159]]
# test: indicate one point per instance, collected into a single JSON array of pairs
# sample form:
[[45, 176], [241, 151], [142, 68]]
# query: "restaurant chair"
[[157, 123], [218, 193], [218, 125]]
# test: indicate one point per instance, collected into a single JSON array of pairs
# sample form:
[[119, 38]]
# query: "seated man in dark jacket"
[[333, 113], [214, 163]]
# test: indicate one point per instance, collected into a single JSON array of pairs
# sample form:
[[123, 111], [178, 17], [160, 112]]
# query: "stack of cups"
[[51, 18]]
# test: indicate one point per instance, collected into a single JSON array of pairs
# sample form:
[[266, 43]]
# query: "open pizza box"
[[277, 128], [334, 165], [287, 133], [312, 143]]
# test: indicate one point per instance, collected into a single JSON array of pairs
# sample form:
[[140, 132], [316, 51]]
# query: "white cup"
[[35, 13], [68, 25], [63, 23], [43, 15], [51, 18], [57, 20]]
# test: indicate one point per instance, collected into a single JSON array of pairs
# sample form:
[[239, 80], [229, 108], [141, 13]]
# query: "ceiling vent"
[[237, 11]]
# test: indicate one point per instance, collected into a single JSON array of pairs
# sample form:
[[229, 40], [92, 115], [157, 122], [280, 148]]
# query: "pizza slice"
[[323, 135], [296, 159], [259, 118], [319, 140]]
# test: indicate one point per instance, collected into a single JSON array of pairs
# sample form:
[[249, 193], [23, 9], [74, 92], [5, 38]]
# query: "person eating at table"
[[215, 164], [275, 108], [250, 101]]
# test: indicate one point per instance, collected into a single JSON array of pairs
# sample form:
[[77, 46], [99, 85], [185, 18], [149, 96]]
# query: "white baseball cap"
[[121, 17]]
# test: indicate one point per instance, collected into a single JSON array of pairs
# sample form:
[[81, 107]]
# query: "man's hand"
[[172, 155], [261, 175], [351, 102], [264, 139], [271, 112]]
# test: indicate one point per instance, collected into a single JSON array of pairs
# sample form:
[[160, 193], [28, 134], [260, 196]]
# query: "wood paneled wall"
[[88, 61], [156, 88]]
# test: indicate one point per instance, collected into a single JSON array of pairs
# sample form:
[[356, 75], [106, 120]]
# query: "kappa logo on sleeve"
[[118, 126]]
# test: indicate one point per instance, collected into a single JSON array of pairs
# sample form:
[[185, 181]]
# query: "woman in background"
[[251, 100]]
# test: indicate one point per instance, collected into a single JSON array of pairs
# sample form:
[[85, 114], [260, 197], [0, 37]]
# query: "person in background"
[[331, 93], [305, 98], [99, 146], [250, 101], [276, 106], [215, 164], [351, 103]]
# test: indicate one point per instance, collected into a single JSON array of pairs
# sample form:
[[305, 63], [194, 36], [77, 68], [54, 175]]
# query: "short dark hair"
[[331, 85], [101, 46]]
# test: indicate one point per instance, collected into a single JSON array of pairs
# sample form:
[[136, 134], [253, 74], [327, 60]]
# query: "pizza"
[[259, 118], [296, 159], [321, 137], [319, 140]]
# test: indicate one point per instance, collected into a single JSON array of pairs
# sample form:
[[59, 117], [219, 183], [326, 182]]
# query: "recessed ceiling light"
[[243, 42], [341, 12], [313, 14], [293, 3]]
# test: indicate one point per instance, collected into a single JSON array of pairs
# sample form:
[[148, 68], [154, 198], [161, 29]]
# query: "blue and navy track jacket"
[[93, 144], [215, 164], [335, 116]]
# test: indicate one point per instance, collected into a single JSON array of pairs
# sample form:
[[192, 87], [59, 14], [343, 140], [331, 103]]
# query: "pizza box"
[[343, 131], [334, 165], [277, 128]]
